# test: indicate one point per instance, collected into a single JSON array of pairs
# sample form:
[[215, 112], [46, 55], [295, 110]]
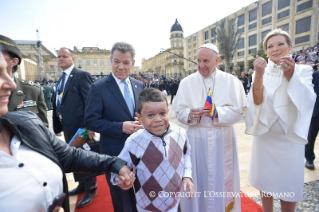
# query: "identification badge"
[[86, 147]]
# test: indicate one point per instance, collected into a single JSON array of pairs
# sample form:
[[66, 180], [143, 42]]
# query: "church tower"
[[176, 36]]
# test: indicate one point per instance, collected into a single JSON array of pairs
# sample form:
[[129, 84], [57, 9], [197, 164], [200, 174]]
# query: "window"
[[194, 45], [206, 42], [283, 4], [95, 62], [88, 62], [206, 35], [252, 26], [109, 62], [214, 32], [214, 40], [304, 6], [194, 51], [241, 20], [241, 43], [252, 51], [241, 30], [253, 40], [263, 34], [284, 27], [194, 38], [302, 39], [174, 44], [189, 40], [241, 53], [80, 62], [252, 15], [266, 20], [266, 8], [96, 73], [303, 25], [102, 62], [179, 44], [189, 53], [283, 14]]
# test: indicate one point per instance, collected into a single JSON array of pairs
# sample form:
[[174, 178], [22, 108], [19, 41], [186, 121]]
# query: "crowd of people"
[[138, 146]]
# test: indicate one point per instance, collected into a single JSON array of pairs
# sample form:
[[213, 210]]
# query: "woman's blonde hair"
[[275, 33]]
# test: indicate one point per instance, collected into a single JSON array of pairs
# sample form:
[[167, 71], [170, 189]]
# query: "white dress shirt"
[[29, 180], [121, 86], [67, 74]]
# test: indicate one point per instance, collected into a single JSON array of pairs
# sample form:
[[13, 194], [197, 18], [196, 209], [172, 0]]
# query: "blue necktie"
[[128, 98], [60, 90]]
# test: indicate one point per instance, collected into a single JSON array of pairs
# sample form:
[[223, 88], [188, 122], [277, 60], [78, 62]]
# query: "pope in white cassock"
[[214, 144]]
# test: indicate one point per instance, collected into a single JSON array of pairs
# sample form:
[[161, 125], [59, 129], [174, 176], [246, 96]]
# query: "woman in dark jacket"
[[33, 162]]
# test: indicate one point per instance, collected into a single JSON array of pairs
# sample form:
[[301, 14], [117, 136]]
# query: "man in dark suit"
[[68, 112], [27, 96], [314, 126], [173, 90], [110, 111]]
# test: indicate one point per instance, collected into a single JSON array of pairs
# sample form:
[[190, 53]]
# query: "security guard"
[[27, 96]]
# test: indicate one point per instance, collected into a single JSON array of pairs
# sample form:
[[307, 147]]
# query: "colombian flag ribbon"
[[210, 103]]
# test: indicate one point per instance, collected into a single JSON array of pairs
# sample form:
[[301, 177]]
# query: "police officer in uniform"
[[27, 96]]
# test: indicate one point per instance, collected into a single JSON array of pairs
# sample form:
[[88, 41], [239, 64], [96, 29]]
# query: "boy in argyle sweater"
[[159, 155]]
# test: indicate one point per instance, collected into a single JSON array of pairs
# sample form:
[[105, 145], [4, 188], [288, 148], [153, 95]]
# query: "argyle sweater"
[[159, 167]]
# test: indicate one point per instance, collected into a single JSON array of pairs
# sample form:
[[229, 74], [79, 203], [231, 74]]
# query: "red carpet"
[[102, 202]]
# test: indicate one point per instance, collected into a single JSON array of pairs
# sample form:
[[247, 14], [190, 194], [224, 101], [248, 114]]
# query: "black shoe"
[[77, 190], [87, 198], [309, 165]]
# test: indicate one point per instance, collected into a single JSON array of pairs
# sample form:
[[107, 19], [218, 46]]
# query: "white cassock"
[[213, 145], [280, 127]]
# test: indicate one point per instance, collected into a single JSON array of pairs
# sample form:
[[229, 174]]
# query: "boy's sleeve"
[[124, 155], [187, 160]]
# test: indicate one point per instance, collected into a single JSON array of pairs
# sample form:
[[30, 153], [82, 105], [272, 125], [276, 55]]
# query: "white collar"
[[118, 81], [68, 70], [273, 69]]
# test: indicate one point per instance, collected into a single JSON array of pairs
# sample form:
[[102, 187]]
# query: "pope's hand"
[[195, 114]]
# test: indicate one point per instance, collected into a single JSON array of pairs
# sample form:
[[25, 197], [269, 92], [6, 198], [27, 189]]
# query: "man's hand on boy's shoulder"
[[126, 178], [130, 127], [188, 183]]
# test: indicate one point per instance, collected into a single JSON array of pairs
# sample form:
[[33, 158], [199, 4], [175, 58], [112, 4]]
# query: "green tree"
[[260, 53], [228, 39]]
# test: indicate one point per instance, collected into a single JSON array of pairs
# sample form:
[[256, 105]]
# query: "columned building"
[[168, 62]]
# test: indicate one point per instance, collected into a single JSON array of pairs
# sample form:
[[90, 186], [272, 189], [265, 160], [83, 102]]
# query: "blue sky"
[[89, 23]]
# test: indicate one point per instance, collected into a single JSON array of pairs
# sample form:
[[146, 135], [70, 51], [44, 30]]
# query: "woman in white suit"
[[280, 106]]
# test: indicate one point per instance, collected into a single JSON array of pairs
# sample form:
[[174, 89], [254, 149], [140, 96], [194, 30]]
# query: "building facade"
[[168, 62], [298, 17]]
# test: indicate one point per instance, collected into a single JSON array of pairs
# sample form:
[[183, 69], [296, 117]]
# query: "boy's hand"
[[187, 182], [126, 178]]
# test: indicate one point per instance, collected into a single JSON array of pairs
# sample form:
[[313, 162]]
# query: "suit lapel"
[[115, 90], [16, 97], [134, 89]]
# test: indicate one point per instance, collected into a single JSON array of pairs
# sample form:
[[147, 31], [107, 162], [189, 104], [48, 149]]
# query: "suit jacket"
[[73, 102], [315, 82], [28, 91], [106, 110], [174, 88]]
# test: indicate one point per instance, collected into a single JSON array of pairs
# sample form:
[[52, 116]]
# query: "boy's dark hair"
[[150, 95]]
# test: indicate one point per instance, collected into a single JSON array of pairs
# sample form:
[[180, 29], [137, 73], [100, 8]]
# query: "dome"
[[176, 27]]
